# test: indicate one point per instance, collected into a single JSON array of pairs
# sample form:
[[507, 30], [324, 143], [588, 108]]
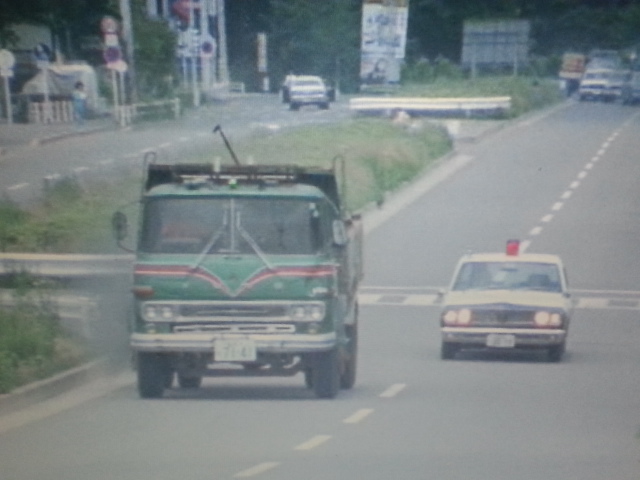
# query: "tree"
[[155, 53]]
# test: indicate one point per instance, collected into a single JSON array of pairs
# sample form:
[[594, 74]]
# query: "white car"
[[507, 301], [593, 84], [301, 90]]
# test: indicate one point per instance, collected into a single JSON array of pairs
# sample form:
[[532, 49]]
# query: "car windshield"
[[508, 276], [188, 225]]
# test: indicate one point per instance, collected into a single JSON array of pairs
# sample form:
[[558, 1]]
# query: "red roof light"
[[513, 247]]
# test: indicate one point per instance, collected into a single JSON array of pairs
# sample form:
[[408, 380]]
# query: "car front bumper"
[[524, 338]]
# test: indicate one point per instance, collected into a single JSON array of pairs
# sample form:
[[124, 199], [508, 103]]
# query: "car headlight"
[[156, 312], [461, 317], [547, 319]]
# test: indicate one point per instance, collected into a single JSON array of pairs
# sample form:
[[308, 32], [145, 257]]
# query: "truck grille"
[[248, 328], [261, 312]]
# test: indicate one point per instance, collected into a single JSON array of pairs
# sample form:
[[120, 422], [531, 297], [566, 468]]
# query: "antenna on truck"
[[217, 128]]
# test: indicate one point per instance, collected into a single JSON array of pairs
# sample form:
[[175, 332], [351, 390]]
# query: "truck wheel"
[[448, 350], [308, 377], [348, 375], [555, 353], [189, 381], [168, 378], [326, 374], [151, 375]]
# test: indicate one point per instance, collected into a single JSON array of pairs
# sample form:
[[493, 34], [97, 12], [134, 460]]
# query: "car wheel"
[[324, 106], [555, 353], [152, 375], [294, 106], [448, 350], [326, 374]]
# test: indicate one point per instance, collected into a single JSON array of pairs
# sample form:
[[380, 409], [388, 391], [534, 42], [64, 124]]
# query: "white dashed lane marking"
[[358, 416], [257, 470], [313, 442], [393, 390]]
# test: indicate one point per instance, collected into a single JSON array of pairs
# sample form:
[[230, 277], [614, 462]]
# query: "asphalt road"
[[564, 183]]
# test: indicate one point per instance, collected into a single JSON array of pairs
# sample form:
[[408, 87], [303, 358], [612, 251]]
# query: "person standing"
[[79, 104]]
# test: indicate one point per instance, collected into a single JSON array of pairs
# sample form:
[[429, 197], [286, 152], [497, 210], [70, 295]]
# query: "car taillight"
[[460, 318]]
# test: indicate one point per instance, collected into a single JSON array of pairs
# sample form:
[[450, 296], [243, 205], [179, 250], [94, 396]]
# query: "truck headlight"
[[158, 312], [307, 312]]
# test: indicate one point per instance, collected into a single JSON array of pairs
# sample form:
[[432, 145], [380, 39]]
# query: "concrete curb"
[[75, 133], [47, 388]]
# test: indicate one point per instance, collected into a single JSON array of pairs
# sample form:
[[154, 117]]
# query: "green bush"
[[29, 328]]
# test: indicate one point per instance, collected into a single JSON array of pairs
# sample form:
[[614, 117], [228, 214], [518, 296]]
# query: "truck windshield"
[[190, 225]]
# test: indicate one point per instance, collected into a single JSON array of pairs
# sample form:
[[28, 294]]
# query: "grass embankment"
[[379, 156]]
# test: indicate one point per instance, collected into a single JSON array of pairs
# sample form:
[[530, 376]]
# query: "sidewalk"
[[19, 135]]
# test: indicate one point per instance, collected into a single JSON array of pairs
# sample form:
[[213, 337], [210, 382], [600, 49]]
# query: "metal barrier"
[[422, 105], [67, 266], [127, 114], [59, 111]]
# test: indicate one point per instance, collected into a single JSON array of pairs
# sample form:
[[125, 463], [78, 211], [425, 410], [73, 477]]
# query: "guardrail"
[[77, 313], [67, 266], [421, 105], [126, 114]]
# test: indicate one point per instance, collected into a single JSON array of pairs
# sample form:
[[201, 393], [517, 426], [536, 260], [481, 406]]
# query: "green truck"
[[244, 270]]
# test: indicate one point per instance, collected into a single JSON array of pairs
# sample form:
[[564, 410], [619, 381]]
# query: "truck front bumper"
[[204, 342]]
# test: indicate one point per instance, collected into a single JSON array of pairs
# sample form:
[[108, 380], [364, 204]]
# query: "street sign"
[[6, 72], [42, 52], [119, 66], [112, 54], [208, 47], [7, 60], [109, 25]]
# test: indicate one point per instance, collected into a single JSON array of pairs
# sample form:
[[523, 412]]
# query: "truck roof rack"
[[182, 173]]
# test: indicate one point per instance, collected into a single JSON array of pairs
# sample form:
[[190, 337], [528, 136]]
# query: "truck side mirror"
[[339, 234], [120, 226]]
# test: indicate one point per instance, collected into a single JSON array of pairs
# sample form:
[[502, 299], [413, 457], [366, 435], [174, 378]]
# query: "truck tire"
[[326, 374], [151, 375], [348, 375], [186, 381], [308, 377], [448, 350]]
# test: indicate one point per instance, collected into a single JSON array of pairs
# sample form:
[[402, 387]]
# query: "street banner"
[[384, 37]]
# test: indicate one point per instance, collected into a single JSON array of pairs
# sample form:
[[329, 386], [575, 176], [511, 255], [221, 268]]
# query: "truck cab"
[[245, 271]]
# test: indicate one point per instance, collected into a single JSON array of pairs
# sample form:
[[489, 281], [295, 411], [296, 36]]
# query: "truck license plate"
[[501, 340], [237, 350]]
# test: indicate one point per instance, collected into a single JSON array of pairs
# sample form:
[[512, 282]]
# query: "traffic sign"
[[7, 60], [109, 25], [112, 54]]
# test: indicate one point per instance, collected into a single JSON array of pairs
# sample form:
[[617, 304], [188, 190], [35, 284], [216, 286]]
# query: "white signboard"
[[384, 34]]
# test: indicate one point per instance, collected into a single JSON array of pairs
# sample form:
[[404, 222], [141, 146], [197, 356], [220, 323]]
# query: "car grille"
[[503, 318]]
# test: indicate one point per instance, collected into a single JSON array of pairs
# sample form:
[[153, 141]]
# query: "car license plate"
[[501, 340], [237, 350]]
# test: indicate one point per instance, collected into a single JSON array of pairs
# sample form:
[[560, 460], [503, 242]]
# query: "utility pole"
[[127, 35], [223, 67]]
